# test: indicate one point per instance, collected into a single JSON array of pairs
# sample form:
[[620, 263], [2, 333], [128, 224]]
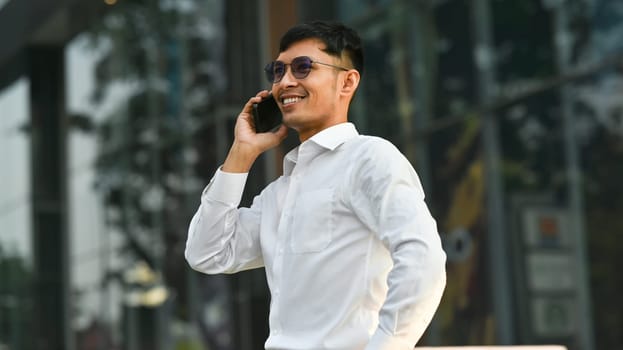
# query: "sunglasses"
[[300, 67]]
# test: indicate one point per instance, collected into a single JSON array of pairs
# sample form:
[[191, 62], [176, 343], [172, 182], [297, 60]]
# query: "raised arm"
[[221, 237], [248, 144]]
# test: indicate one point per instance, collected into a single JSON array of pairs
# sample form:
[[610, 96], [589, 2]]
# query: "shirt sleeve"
[[221, 237], [389, 198]]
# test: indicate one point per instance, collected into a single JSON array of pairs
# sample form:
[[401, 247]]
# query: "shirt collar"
[[328, 139], [331, 137]]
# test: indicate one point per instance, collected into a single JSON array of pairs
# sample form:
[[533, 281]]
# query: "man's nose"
[[288, 78]]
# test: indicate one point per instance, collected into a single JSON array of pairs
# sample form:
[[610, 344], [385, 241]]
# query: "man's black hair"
[[337, 38]]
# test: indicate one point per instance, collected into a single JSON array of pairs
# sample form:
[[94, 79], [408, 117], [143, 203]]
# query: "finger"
[[282, 132], [248, 107], [263, 94], [254, 99]]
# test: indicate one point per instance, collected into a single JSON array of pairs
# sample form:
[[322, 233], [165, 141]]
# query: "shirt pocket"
[[313, 221]]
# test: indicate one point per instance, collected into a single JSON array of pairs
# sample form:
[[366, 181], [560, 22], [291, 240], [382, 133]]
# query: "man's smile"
[[290, 100]]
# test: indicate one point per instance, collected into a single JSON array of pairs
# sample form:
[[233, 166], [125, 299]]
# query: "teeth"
[[290, 100]]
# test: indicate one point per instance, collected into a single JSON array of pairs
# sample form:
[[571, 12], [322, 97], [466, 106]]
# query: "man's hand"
[[248, 144]]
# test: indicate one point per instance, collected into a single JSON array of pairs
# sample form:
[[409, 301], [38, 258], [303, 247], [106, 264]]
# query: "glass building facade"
[[115, 114]]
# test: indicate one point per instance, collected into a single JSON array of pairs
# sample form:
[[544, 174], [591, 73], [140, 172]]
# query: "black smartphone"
[[266, 115]]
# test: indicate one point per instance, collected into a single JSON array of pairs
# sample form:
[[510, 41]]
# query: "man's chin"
[[291, 120]]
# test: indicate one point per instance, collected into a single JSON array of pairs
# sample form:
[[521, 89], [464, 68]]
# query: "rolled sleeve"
[[225, 187], [217, 241]]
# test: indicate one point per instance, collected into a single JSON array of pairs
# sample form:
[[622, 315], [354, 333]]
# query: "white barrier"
[[494, 347]]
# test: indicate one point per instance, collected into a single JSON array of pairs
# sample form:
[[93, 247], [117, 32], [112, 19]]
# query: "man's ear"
[[350, 82]]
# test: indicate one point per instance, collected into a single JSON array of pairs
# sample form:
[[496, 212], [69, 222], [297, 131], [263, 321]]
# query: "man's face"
[[309, 104]]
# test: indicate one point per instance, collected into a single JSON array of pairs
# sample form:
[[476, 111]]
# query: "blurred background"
[[114, 114]]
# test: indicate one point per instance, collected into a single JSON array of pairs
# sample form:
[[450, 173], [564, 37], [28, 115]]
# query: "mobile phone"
[[266, 115]]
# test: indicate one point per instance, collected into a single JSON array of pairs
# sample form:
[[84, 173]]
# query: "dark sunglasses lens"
[[301, 67], [274, 71], [279, 69], [269, 71]]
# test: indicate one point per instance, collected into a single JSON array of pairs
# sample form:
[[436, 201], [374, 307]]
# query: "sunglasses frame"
[[269, 69]]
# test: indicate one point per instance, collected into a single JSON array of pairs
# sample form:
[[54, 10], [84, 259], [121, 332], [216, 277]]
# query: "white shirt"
[[352, 255]]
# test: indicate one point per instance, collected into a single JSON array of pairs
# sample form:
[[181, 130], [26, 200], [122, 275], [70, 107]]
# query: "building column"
[[51, 328], [563, 44], [497, 240]]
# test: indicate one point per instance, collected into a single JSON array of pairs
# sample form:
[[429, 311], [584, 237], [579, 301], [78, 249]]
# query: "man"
[[352, 255]]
